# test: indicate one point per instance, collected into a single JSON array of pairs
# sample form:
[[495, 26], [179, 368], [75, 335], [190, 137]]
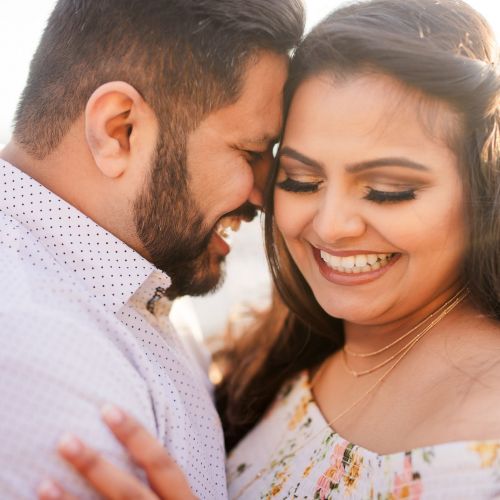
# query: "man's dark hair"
[[185, 57]]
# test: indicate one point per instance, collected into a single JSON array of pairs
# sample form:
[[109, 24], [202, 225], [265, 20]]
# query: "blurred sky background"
[[22, 22]]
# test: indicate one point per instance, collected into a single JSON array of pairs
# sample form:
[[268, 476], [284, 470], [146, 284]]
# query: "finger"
[[50, 490], [107, 479], [163, 473]]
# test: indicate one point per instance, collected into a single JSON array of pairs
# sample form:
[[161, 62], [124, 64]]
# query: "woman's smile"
[[354, 267]]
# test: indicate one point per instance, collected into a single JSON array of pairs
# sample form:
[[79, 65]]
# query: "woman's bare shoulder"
[[475, 378]]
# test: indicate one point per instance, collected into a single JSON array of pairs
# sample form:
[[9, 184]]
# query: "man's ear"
[[113, 113]]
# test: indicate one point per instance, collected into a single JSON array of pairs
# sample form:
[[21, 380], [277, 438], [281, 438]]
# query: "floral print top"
[[292, 453]]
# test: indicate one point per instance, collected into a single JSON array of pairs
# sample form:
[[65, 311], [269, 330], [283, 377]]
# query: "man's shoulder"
[[41, 302], [32, 279], [25, 265], [52, 337]]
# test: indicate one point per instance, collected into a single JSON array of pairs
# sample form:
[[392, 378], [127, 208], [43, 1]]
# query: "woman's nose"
[[337, 219]]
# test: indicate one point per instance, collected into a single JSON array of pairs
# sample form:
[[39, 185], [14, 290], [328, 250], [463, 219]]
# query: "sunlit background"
[[22, 22]]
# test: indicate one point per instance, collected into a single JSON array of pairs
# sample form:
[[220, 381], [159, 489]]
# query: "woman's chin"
[[350, 312]]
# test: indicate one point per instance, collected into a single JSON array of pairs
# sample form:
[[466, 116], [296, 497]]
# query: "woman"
[[383, 234]]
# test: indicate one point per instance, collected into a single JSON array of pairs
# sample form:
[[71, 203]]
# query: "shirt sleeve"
[[56, 373]]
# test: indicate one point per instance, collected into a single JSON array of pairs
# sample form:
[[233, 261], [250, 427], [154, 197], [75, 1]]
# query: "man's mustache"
[[247, 212]]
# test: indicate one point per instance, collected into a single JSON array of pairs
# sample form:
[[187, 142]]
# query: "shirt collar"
[[111, 270]]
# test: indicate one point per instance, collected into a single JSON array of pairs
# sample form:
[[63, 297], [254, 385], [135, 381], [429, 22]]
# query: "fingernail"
[[49, 489], [70, 445], [112, 415]]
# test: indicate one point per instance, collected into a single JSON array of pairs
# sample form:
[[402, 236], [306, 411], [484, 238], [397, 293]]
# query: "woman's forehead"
[[371, 105]]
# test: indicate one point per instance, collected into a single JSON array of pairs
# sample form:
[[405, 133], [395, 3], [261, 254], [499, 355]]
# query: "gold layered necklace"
[[427, 324]]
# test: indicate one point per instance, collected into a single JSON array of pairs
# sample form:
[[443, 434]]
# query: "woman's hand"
[[166, 479]]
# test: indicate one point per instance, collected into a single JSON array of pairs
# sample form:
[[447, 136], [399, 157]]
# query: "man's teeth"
[[354, 264], [234, 223], [227, 225]]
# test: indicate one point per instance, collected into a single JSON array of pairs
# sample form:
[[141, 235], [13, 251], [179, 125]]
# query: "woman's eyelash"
[[390, 196], [294, 186]]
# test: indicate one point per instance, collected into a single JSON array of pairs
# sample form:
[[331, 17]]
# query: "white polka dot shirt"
[[79, 328]]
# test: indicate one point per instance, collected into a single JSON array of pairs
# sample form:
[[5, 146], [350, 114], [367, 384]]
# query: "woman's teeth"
[[355, 264]]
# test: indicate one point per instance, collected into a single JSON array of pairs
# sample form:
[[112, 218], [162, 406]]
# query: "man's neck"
[[69, 172], [63, 180]]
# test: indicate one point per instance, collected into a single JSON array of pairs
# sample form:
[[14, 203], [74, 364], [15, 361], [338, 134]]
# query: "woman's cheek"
[[289, 213], [294, 214]]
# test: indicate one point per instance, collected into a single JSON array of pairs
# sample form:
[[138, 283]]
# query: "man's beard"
[[170, 226], [172, 229]]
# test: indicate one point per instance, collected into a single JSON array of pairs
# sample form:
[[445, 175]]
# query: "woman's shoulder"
[[472, 380]]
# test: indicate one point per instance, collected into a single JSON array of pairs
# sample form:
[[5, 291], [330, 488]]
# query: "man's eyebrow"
[[263, 140], [292, 153], [385, 162]]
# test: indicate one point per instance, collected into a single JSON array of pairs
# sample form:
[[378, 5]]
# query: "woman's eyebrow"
[[295, 155], [356, 167], [386, 162]]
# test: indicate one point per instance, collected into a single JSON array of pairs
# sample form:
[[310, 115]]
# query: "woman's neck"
[[376, 335]]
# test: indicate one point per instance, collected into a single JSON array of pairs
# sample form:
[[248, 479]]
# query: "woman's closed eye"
[[379, 196], [375, 190], [295, 186]]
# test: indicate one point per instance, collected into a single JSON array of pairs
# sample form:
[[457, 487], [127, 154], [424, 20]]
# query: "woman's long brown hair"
[[446, 51]]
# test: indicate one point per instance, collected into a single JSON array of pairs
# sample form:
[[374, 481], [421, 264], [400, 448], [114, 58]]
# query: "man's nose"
[[261, 170], [256, 197]]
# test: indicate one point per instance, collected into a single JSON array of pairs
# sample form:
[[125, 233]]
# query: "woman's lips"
[[367, 266]]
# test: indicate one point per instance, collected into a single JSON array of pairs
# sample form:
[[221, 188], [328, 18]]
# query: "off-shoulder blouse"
[[292, 453]]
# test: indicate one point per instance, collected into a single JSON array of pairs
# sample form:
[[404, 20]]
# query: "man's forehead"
[[261, 100]]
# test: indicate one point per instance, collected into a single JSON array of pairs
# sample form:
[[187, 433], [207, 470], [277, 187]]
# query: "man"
[[136, 140]]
